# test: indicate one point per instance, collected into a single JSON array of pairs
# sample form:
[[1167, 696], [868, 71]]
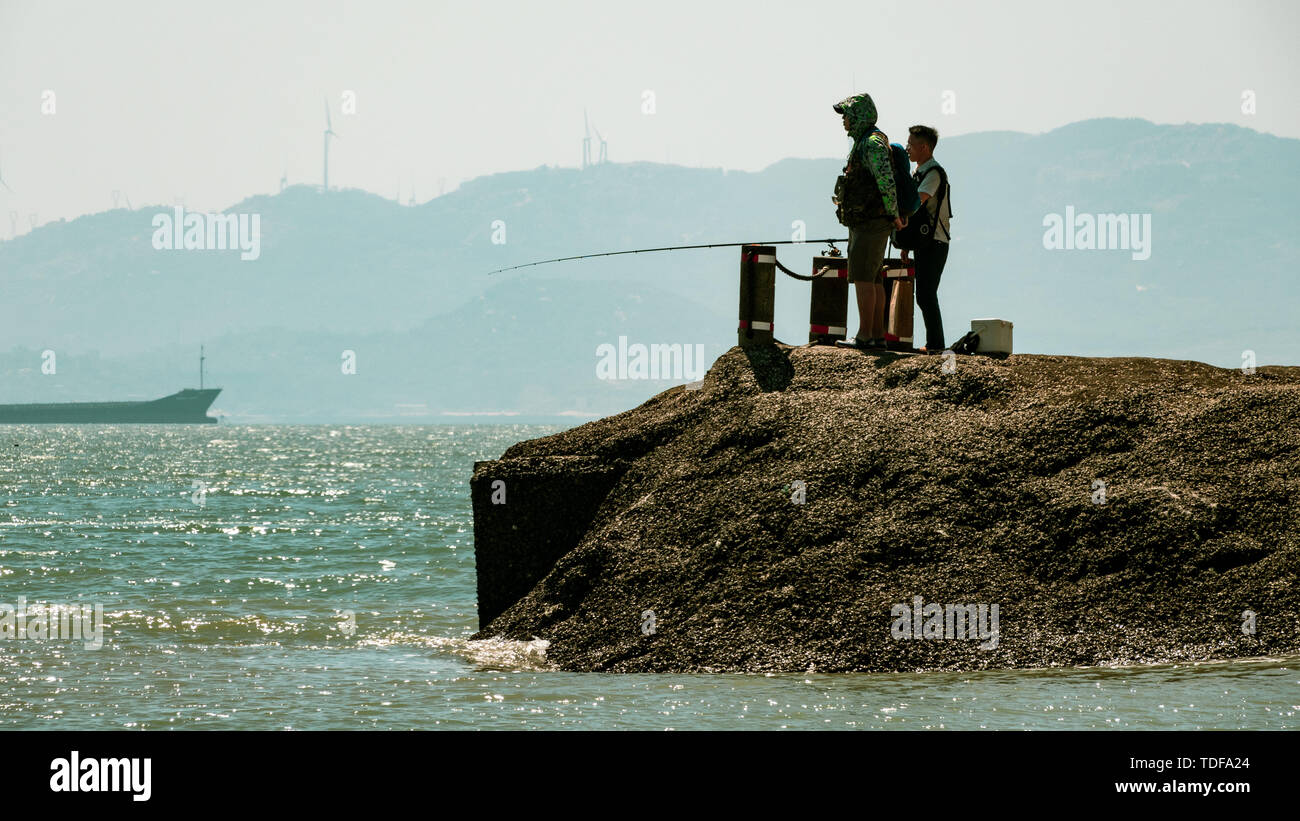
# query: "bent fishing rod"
[[830, 242]]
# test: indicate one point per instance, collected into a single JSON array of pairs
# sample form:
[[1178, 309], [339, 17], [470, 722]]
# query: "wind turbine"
[[586, 140], [117, 195], [329, 132], [602, 158]]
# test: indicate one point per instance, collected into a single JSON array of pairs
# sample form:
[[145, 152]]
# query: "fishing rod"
[[830, 242]]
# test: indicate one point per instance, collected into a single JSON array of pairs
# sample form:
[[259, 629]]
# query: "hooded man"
[[868, 205]]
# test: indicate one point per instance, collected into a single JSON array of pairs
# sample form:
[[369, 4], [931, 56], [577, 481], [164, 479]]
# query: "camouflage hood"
[[862, 114]]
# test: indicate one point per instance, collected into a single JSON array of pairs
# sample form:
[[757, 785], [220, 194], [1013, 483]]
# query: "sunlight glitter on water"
[[287, 599]]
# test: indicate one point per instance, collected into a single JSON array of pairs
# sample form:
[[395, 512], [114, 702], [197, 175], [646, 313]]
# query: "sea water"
[[322, 577]]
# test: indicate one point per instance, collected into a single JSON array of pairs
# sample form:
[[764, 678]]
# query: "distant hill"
[[408, 288]]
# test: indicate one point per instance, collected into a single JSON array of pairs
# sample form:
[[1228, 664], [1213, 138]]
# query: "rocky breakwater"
[[823, 509]]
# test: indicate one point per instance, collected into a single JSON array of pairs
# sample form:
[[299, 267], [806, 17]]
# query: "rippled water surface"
[[317, 577]]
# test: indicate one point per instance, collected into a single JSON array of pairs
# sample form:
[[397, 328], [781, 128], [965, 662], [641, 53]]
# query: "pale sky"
[[212, 102]]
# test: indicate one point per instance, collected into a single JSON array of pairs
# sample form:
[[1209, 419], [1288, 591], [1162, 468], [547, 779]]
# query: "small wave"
[[505, 654], [487, 654]]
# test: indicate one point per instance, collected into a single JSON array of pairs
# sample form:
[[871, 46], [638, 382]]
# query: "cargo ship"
[[188, 406]]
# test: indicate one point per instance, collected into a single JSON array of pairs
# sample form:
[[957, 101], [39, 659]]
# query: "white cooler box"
[[995, 335]]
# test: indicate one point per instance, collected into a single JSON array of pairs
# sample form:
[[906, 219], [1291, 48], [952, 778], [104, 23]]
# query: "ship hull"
[[188, 406]]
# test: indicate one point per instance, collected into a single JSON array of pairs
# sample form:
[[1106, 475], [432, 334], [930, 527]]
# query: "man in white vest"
[[932, 256]]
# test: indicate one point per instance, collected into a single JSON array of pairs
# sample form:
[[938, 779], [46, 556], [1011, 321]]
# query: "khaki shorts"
[[867, 243]]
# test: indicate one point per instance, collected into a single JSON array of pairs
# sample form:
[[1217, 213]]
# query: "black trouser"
[[930, 260]]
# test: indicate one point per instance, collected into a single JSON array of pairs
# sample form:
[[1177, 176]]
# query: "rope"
[[790, 273]]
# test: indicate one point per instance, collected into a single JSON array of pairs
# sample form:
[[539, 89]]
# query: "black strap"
[[943, 195]]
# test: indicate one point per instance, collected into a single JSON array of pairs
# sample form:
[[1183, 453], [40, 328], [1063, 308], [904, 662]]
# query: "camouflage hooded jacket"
[[870, 149]]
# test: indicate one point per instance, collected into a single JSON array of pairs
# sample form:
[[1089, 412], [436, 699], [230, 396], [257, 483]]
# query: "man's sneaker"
[[862, 344]]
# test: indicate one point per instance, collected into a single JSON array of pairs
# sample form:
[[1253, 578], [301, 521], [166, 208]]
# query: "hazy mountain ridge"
[[354, 270]]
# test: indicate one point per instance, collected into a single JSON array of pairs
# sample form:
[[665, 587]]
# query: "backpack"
[[967, 344], [857, 196], [921, 229]]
